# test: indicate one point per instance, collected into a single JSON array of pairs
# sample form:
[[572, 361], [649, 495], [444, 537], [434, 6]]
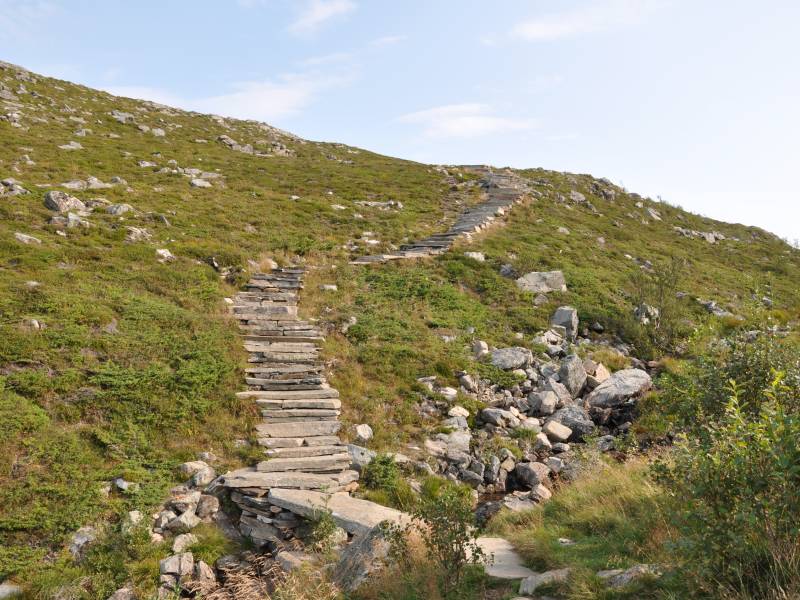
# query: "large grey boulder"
[[364, 556], [531, 473], [620, 387], [542, 282], [511, 358], [542, 403], [530, 584], [62, 201], [572, 375], [566, 317], [576, 418]]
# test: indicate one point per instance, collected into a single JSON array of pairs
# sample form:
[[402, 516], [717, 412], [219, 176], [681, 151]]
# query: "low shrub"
[[736, 500]]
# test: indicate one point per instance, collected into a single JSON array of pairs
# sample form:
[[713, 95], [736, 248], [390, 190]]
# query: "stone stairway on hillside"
[[299, 410], [502, 191], [306, 468]]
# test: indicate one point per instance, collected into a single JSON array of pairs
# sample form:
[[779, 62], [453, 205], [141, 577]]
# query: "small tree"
[[445, 521]]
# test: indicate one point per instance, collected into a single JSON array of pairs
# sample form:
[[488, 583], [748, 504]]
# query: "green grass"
[[137, 366], [613, 514]]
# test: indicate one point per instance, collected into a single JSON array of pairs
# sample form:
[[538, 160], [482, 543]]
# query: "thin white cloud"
[[388, 40], [318, 12], [268, 100], [465, 121], [326, 59], [598, 16]]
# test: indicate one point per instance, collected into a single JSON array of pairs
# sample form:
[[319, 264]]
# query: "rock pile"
[[559, 400]]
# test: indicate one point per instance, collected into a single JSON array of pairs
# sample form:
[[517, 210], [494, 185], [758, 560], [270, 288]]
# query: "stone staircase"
[[503, 191], [299, 410], [306, 468]]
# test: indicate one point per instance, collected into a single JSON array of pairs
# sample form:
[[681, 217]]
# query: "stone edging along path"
[[307, 467]]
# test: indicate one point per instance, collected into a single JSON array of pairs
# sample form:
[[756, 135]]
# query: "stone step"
[[323, 392], [250, 478], [280, 346], [307, 441], [309, 464], [354, 515], [287, 385], [304, 451], [283, 357], [321, 403], [294, 339], [274, 420], [296, 430], [286, 413]]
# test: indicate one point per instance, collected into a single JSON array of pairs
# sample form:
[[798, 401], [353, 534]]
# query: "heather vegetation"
[[117, 364]]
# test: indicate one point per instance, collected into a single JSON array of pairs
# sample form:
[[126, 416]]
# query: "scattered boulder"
[[575, 418], [124, 593], [200, 183], [619, 387], [556, 431], [511, 358], [365, 555], [531, 474], [118, 209], [81, 540], [207, 506], [363, 432], [478, 256], [566, 317], [530, 584], [617, 578], [62, 202], [572, 375], [183, 541], [543, 282], [26, 239], [9, 590]]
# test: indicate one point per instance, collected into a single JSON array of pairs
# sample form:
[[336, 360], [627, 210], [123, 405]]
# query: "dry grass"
[[265, 580]]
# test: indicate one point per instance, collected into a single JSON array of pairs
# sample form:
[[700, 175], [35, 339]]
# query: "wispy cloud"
[[603, 15], [20, 18], [465, 121], [326, 59], [266, 100], [388, 40], [318, 12]]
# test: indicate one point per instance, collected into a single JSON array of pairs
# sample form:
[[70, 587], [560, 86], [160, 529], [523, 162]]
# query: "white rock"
[[363, 432]]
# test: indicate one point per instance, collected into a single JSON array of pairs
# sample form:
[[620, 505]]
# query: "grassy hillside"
[[115, 363]]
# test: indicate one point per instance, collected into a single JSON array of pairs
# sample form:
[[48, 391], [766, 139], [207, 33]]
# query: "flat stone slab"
[[337, 462], [507, 563], [290, 394], [300, 429], [250, 478], [354, 515]]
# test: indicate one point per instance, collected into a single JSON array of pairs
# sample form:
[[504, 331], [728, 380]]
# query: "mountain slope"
[[120, 362]]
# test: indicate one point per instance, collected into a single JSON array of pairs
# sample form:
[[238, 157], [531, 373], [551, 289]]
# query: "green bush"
[[443, 521], [736, 500], [700, 392], [385, 483]]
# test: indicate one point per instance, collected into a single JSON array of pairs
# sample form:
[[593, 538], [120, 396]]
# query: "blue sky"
[[697, 102]]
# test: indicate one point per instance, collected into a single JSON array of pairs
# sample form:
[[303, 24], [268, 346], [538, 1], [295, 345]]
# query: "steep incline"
[[503, 191]]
